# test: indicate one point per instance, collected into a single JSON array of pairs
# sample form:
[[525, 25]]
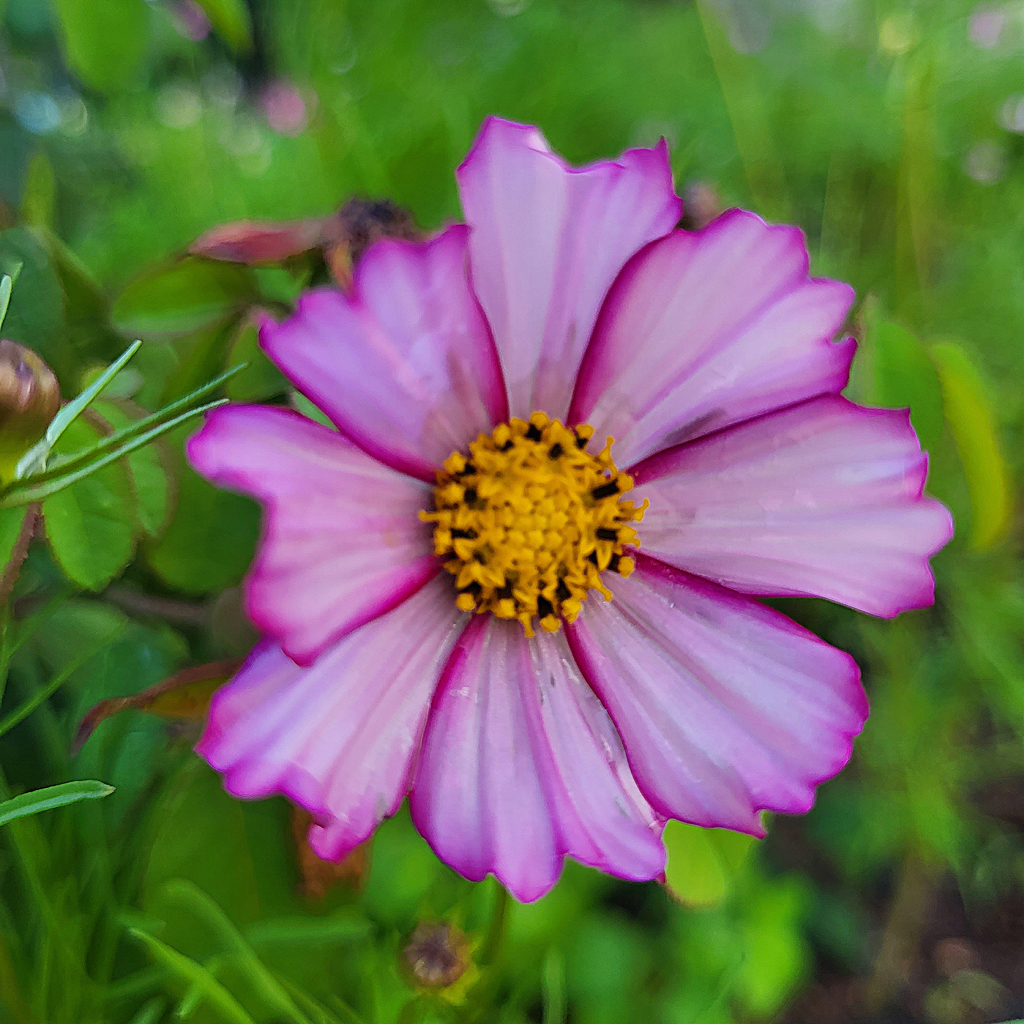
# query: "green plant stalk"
[[24, 492], [155, 419]]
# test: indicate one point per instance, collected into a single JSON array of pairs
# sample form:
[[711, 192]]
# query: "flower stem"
[[498, 928]]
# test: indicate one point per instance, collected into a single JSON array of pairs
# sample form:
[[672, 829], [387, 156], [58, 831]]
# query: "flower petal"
[[342, 541], [725, 706], [709, 328], [405, 365], [339, 737], [547, 241], [521, 767], [821, 499]]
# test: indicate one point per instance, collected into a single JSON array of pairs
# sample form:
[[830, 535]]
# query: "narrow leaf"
[[137, 427], [36, 458], [195, 974], [5, 296], [971, 418], [53, 796], [31, 491]]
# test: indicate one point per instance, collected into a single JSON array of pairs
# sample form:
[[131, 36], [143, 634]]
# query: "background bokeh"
[[891, 131]]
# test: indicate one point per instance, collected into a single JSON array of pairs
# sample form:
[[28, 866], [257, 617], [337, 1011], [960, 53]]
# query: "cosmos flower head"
[[518, 581]]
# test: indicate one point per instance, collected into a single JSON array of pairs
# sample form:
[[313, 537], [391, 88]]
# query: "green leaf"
[[91, 524], [182, 297], [231, 21], [905, 377], [104, 40], [204, 356], [211, 537], [702, 862], [147, 474], [53, 796], [260, 379], [197, 975], [39, 197], [35, 315], [971, 418]]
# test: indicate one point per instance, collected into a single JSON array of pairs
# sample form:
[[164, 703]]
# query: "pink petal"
[[405, 365], [521, 767], [822, 499], [342, 542], [340, 736], [725, 707], [709, 328], [547, 242]]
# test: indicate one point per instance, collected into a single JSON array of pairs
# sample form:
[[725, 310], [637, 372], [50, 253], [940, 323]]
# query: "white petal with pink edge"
[[821, 499], [725, 707], [709, 328], [339, 737], [546, 243], [405, 365], [342, 542], [521, 767]]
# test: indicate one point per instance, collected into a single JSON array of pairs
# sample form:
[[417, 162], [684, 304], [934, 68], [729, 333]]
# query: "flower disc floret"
[[529, 519]]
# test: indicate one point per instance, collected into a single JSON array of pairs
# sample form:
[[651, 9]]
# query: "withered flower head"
[[437, 954], [29, 399]]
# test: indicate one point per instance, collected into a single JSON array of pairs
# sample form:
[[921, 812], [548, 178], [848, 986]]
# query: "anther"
[[604, 491]]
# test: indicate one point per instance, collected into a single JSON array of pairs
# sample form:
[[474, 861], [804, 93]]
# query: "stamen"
[[530, 533]]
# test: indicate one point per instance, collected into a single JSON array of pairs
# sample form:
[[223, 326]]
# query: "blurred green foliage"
[[892, 131]]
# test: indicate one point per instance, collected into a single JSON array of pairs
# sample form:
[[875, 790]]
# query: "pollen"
[[528, 520]]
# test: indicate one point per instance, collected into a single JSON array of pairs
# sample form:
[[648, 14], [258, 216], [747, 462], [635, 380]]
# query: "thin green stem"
[[494, 940]]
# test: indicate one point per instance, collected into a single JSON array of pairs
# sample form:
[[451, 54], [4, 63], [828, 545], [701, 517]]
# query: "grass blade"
[[36, 457], [52, 796], [6, 285], [25, 492], [195, 974]]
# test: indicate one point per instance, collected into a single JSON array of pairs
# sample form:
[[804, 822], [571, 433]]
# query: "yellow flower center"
[[529, 519]]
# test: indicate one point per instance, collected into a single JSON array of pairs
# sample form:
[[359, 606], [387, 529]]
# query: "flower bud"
[[437, 954], [29, 399]]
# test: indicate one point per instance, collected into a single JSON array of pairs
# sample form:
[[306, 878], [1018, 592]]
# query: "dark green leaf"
[[182, 297], [211, 538], [35, 315], [261, 379]]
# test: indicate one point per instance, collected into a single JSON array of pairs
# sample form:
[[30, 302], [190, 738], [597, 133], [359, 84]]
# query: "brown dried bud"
[[29, 399], [437, 954]]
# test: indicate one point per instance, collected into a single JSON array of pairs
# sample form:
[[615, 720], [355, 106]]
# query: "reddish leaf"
[[185, 696]]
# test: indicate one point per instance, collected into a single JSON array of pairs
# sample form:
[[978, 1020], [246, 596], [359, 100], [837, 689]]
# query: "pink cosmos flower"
[[409, 555]]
